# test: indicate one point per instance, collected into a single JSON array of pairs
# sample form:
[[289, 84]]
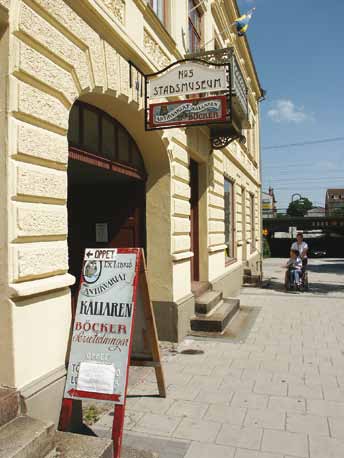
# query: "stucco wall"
[[59, 54], [6, 339], [5, 3]]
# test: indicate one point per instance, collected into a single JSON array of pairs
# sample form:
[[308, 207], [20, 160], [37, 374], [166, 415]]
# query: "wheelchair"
[[290, 284]]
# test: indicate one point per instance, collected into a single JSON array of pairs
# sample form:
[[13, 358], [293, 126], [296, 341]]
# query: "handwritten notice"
[[102, 330], [96, 377]]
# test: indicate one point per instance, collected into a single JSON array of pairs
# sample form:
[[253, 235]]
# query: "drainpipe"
[[263, 92]]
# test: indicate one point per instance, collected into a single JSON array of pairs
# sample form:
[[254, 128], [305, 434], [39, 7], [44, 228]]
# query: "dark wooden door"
[[194, 184], [129, 232], [120, 205]]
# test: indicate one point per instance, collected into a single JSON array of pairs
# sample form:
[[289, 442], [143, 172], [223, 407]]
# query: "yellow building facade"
[[67, 92]]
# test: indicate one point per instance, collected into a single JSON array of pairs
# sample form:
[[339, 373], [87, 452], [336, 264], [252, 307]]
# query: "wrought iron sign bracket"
[[223, 141], [221, 138]]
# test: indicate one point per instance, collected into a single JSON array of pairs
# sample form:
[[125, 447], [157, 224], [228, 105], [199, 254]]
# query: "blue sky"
[[298, 46]]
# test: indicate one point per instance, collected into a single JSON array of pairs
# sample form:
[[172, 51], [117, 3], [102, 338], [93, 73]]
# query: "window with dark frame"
[[159, 8], [195, 22], [95, 132], [217, 44], [229, 219]]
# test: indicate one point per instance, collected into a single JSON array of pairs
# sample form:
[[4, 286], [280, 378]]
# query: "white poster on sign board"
[[102, 232], [188, 78], [102, 330], [96, 377]]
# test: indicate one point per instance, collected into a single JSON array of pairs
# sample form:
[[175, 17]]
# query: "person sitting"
[[302, 247], [295, 267]]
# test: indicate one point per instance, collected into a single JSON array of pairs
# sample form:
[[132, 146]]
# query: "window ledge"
[[30, 288], [181, 256], [216, 248], [230, 261]]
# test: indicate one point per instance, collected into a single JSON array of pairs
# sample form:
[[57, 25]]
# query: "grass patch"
[[91, 414]]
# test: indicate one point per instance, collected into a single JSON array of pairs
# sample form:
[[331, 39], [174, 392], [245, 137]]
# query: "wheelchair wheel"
[[305, 281], [287, 282]]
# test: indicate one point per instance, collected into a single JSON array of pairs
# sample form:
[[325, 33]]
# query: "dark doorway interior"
[[106, 185], [114, 201], [194, 184]]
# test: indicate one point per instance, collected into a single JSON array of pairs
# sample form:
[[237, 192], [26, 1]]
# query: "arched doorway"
[[106, 185]]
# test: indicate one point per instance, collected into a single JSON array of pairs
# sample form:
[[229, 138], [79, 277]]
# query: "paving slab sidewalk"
[[277, 391]]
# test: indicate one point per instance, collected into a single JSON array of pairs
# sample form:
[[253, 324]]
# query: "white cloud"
[[286, 111], [329, 165]]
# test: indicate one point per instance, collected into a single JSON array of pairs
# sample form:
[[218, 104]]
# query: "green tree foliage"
[[299, 207], [337, 212]]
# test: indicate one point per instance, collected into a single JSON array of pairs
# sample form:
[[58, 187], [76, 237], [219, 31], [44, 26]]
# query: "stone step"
[[251, 279], [9, 405], [69, 445], [25, 437], [126, 452], [256, 279], [207, 301], [199, 287], [218, 319]]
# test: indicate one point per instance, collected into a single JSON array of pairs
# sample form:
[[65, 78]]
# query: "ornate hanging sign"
[[188, 112], [208, 81], [188, 78]]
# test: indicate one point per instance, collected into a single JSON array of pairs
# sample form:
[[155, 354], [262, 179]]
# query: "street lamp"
[[296, 194]]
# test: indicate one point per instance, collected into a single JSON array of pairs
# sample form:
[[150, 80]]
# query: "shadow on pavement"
[[326, 288], [329, 268], [314, 288]]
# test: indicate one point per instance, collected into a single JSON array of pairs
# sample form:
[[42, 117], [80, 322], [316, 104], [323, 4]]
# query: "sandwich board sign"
[[113, 291]]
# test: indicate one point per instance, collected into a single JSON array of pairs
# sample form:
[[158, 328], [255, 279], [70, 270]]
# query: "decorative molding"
[[33, 287], [181, 256], [117, 8], [229, 177], [159, 28], [154, 51], [42, 382], [216, 248]]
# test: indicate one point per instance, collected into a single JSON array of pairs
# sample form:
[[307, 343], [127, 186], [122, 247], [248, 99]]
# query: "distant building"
[[334, 202], [316, 212], [269, 204]]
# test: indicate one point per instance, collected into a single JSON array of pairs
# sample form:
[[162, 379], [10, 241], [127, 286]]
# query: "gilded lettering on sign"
[[189, 78]]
